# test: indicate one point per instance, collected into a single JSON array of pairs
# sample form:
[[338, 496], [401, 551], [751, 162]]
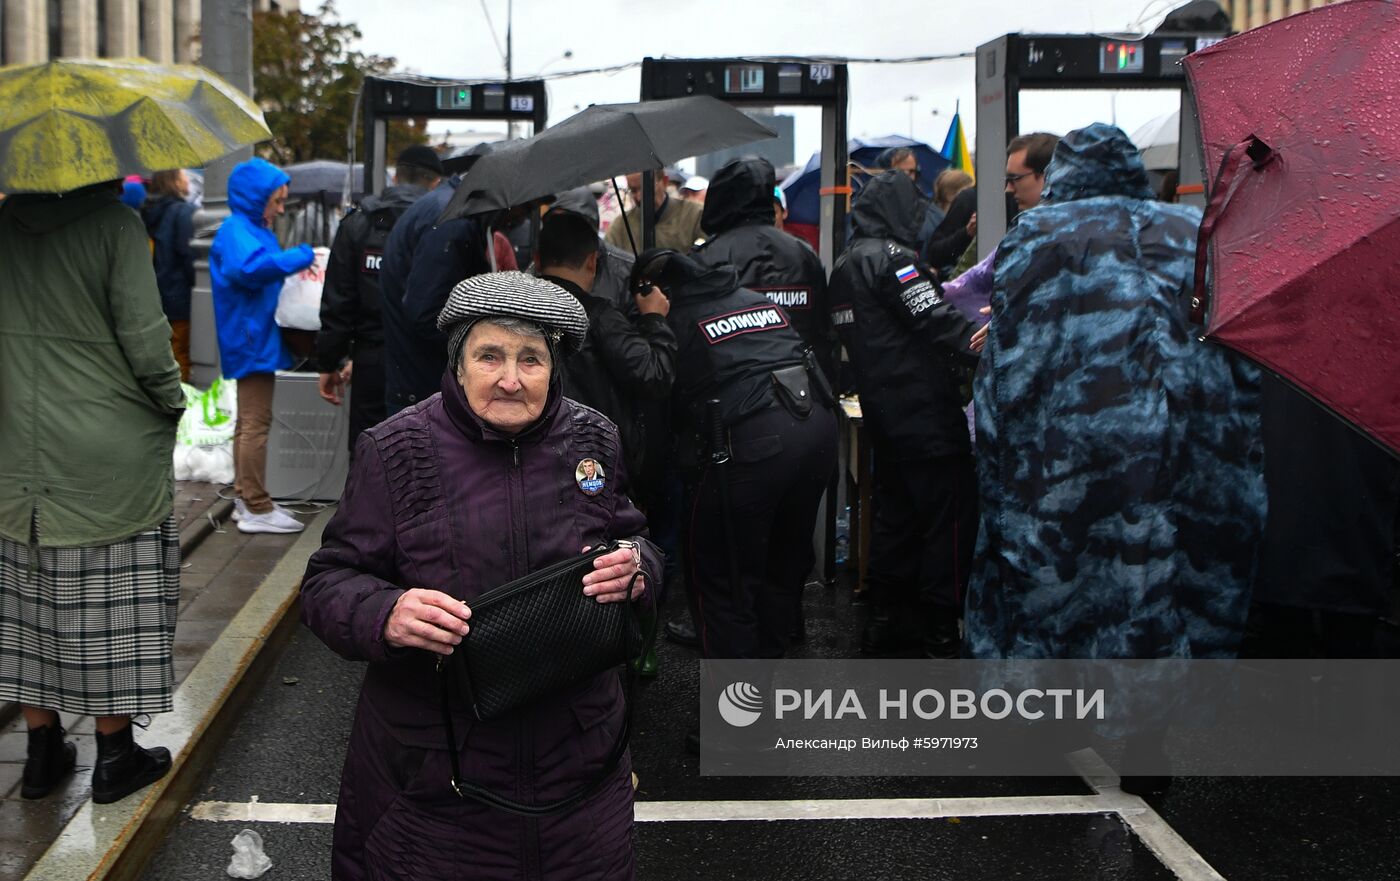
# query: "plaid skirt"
[[91, 630]]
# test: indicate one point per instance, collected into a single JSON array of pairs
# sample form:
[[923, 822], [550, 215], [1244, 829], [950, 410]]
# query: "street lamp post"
[[911, 100]]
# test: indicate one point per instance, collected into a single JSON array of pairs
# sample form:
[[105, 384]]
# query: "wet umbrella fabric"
[[601, 142], [1304, 248], [324, 179], [67, 124], [1157, 141]]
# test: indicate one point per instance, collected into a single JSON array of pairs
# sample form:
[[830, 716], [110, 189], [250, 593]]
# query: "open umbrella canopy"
[[1157, 141], [1304, 247], [324, 179], [70, 123], [600, 142]]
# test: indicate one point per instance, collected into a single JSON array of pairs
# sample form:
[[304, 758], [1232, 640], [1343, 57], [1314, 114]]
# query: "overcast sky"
[[452, 38]]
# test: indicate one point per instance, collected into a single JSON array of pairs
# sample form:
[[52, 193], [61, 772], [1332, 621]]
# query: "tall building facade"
[[166, 31], [1246, 14]]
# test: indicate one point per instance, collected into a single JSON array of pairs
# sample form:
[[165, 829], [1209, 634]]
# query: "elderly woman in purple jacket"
[[469, 489]]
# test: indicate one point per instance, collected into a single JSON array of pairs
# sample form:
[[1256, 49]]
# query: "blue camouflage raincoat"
[[1119, 457], [246, 268]]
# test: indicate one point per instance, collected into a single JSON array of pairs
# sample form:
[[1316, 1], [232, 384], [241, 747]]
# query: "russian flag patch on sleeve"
[[907, 274]]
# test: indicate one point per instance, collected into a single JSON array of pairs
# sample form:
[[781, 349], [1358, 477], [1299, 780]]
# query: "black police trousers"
[[778, 470], [366, 391], [923, 532]]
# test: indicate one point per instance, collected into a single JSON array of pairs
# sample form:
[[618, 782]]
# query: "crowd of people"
[[1062, 467]]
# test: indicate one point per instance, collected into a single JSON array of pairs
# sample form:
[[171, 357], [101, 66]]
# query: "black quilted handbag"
[[532, 638]]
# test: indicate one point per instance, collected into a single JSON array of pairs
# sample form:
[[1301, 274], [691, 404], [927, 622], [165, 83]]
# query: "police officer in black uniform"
[[749, 535], [351, 340], [907, 346], [739, 220]]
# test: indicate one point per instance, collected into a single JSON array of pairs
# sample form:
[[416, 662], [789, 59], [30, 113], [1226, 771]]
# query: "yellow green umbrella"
[[74, 122]]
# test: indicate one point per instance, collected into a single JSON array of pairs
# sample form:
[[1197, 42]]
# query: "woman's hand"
[[607, 583], [427, 619], [979, 339]]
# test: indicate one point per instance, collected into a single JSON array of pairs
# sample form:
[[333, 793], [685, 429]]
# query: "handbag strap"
[[542, 809]]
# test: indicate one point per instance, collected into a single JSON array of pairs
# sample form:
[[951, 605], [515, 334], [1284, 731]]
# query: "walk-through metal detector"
[[773, 82], [408, 96], [1015, 62], [769, 83]]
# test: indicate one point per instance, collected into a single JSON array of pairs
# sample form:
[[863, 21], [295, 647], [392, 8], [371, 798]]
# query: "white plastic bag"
[[299, 304], [204, 440], [248, 860]]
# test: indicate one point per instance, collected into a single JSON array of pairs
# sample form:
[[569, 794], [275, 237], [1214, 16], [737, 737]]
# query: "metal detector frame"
[[820, 83], [784, 82], [1049, 62], [404, 96]]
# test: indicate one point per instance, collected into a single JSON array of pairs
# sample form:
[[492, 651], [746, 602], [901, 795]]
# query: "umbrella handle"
[[1220, 193]]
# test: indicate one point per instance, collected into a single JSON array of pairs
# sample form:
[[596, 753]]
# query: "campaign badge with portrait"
[[590, 477]]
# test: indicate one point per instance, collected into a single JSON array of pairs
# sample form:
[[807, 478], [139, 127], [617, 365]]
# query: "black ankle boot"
[[942, 639], [50, 759], [123, 767]]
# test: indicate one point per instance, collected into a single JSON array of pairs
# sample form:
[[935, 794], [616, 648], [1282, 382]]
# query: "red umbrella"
[[1304, 242]]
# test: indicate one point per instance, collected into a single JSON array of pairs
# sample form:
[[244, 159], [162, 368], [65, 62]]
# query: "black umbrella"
[[601, 142], [323, 179]]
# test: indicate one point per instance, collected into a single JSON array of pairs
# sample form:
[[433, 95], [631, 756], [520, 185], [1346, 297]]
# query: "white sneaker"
[[240, 510], [272, 521]]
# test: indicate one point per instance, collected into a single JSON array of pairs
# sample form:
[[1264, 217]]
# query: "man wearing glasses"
[[1027, 157]]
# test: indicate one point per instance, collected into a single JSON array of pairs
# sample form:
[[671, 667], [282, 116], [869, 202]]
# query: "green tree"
[[307, 78]]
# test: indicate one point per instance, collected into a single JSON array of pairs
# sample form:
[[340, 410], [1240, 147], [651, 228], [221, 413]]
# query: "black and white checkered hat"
[[517, 295]]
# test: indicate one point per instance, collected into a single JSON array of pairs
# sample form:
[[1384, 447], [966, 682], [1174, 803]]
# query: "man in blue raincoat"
[[1119, 457], [247, 267]]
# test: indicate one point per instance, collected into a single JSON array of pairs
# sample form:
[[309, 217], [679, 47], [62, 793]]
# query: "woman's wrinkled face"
[[505, 376]]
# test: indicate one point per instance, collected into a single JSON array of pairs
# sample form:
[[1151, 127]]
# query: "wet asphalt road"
[[289, 746]]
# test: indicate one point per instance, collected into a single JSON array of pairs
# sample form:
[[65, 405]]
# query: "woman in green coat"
[[89, 551]]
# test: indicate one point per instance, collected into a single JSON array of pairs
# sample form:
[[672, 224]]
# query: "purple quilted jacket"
[[437, 499]]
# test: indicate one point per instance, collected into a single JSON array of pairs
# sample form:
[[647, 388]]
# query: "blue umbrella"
[[802, 189]]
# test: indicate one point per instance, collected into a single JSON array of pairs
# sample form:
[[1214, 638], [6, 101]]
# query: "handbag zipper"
[[494, 596]]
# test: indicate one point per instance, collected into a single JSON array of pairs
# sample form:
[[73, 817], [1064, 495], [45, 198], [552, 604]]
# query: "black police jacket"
[[351, 318], [620, 364], [905, 342], [738, 219], [731, 340], [423, 261]]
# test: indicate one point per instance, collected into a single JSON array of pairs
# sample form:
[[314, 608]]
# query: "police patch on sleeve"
[[754, 319], [907, 274], [919, 296], [589, 476]]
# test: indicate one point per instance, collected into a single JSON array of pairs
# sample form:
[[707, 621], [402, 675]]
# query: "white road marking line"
[[866, 808], [262, 812], [1159, 837], [742, 811], [1165, 843], [1179, 857]]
